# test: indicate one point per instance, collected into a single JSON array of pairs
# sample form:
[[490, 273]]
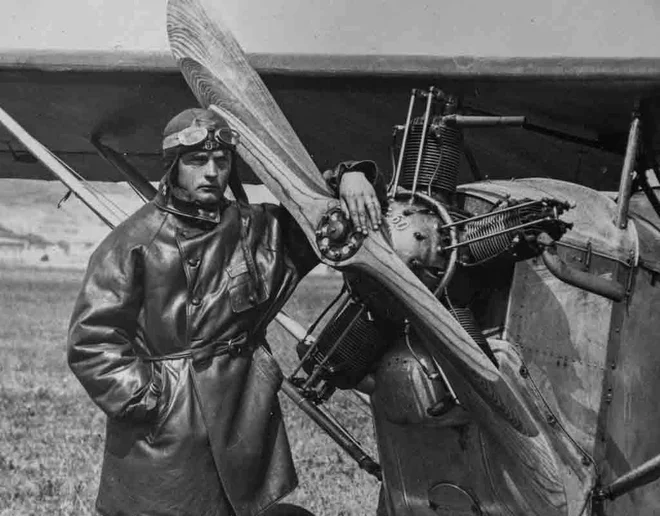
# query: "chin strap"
[[237, 187]]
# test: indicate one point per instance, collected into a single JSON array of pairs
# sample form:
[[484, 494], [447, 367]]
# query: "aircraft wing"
[[342, 107]]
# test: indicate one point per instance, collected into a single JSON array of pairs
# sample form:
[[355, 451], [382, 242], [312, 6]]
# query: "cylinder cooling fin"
[[433, 233], [345, 350], [490, 237], [440, 158], [511, 230]]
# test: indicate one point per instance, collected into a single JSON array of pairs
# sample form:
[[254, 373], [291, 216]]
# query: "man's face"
[[205, 174]]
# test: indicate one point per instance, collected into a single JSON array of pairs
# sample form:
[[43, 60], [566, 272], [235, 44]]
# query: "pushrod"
[[318, 369], [490, 214], [298, 332], [404, 141], [425, 126], [498, 233], [60, 171]]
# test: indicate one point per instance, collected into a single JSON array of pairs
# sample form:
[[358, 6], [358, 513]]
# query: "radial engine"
[[445, 245]]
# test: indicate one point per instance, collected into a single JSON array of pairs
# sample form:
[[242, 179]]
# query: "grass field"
[[51, 435]]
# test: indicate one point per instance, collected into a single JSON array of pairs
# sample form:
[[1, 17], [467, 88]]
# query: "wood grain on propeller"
[[224, 78], [219, 75]]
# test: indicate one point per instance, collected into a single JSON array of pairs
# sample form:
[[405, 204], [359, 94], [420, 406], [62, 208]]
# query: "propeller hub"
[[336, 237]]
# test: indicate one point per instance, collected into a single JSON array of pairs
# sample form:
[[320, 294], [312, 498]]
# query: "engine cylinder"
[[440, 158], [346, 348], [509, 231], [495, 244]]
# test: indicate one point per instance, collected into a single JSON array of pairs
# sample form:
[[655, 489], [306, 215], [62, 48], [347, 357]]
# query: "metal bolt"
[[524, 372]]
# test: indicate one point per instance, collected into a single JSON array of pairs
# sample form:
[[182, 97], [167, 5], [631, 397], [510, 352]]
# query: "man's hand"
[[359, 201]]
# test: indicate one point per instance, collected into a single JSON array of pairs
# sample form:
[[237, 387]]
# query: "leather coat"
[[166, 337]]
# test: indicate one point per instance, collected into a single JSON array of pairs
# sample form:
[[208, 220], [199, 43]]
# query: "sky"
[[498, 28]]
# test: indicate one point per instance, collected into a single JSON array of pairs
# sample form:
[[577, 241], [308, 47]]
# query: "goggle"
[[193, 136]]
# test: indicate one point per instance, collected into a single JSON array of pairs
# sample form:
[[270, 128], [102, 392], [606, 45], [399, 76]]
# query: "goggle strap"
[[224, 135]]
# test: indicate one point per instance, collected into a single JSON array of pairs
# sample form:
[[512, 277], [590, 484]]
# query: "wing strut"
[[640, 476], [639, 160], [143, 188], [63, 172], [629, 164]]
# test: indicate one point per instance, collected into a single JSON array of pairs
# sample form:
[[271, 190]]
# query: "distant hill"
[[31, 207], [35, 231]]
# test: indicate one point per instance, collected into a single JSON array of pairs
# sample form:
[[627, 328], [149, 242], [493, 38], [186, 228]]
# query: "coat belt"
[[236, 346]]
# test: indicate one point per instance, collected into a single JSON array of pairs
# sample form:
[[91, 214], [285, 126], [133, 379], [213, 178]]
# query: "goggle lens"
[[191, 136], [227, 136]]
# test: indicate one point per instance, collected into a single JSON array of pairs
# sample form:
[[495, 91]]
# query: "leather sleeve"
[[368, 168], [103, 326], [296, 245]]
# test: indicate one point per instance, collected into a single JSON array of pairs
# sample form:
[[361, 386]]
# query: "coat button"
[[196, 301], [193, 262]]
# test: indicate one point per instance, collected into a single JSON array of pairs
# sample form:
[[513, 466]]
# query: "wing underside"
[[342, 107]]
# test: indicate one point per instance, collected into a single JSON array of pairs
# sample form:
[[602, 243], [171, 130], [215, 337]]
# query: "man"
[[167, 334]]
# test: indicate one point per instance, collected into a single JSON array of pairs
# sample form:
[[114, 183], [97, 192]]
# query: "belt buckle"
[[234, 348]]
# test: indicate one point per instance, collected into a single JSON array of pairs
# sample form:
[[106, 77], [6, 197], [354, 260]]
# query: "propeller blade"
[[378, 259], [219, 75], [197, 31], [221, 78]]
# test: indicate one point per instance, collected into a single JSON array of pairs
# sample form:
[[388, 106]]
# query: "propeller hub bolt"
[[336, 237]]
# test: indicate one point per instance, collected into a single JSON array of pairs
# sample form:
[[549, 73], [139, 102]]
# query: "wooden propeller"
[[221, 78]]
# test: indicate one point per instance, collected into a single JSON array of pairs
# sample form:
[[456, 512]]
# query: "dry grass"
[[51, 435]]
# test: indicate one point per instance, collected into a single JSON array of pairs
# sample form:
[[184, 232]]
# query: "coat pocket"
[[244, 292], [254, 423], [170, 379], [245, 296]]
